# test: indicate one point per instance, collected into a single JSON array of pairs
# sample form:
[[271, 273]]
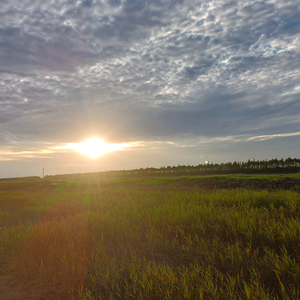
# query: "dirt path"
[[22, 289], [14, 284]]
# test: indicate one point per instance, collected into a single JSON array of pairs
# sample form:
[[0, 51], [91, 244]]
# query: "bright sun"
[[95, 147]]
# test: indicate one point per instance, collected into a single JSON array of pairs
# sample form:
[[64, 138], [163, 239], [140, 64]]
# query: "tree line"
[[288, 165]]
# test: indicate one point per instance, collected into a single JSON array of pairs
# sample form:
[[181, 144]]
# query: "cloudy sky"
[[177, 82]]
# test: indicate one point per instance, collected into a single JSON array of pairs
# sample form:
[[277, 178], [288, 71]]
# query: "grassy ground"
[[124, 240], [230, 177]]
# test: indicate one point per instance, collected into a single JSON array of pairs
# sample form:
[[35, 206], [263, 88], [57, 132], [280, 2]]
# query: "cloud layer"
[[158, 70]]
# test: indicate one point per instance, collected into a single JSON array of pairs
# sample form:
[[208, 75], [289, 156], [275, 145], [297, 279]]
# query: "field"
[[220, 237]]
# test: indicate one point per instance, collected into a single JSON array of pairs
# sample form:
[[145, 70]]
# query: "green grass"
[[90, 241]]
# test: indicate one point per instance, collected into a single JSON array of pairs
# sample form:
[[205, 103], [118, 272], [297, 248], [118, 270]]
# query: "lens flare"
[[95, 147]]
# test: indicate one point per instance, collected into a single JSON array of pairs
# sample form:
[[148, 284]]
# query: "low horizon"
[[292, 168]]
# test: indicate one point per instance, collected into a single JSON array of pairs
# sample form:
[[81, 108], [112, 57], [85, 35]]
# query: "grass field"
[[230, 177], [138, 239]]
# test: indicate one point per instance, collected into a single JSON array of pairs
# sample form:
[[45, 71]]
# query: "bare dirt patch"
[[23, 289], [286, 183]]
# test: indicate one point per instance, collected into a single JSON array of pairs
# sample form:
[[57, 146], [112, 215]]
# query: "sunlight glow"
[[95, 147]]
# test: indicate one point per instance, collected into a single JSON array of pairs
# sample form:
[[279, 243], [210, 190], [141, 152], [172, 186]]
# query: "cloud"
[[155, 70], [272, 136]]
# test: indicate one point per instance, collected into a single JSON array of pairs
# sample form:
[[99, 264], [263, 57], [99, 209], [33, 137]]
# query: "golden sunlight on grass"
[[94, 147], [150, 239]]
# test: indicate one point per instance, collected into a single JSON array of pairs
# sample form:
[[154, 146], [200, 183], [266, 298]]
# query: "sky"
[[175, 82]]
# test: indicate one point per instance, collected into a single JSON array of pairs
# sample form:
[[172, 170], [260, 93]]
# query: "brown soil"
[[24, 289], [211, 183]]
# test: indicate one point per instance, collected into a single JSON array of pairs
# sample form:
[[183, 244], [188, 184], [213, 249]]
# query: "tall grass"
[[90, 241]]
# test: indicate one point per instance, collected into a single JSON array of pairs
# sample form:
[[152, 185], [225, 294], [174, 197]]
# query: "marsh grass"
[[86, 241]]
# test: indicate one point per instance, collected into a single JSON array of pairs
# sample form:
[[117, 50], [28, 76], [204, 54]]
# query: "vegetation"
[[131, 240], [166, 180], [14, 179], [282, 166]]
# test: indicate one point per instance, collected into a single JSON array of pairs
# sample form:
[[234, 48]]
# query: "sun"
[[95, 147]]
